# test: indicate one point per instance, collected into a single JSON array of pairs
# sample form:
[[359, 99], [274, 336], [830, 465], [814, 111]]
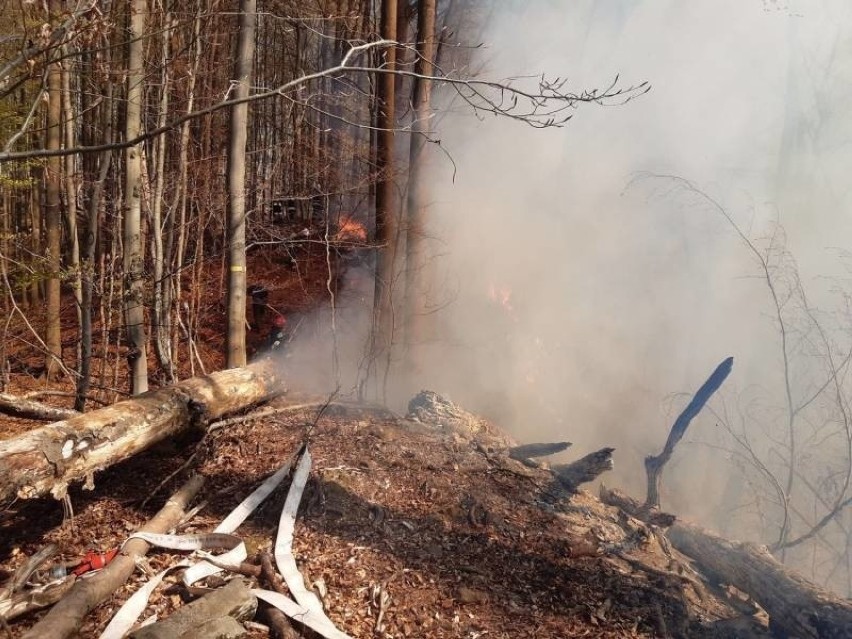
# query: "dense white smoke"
[[578, 292], [582, 293]]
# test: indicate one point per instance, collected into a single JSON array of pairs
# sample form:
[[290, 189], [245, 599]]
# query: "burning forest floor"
[[406, 529]]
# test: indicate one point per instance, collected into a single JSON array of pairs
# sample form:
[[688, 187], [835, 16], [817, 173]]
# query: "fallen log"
[[796, 607], [583, 470], [528, 451], [31, 409], [35, 598], [16, 598], [47, 459], [65, 617]]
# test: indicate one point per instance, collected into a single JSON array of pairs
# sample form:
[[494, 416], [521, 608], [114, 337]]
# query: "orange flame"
[[349, 230], [501, 295]]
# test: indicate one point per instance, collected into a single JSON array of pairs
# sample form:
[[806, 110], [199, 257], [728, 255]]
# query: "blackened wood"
[[654, 464], [528, 451], [585, 469]]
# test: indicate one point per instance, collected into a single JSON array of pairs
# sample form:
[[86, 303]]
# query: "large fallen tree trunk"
[[796, 607], [45, 460]]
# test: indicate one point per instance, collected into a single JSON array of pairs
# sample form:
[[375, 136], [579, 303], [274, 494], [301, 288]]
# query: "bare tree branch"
[[546, 104], [53, 40]]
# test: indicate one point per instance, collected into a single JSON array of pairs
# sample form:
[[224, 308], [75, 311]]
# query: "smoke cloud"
[[579, 291]]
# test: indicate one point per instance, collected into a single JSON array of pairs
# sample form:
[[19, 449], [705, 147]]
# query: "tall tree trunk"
[[53, 211], [178, 232], [89, 250], [387, 201], [236, 338], [134, 311], [162, 313], [71, 184], [36, 244], [404, 60], [415, 275]]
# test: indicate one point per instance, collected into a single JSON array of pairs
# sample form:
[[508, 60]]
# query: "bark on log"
[[278, 621], [279, 625], [65, 617], [30, 409], [233, 601], [16, 599], [796, 607], [45, 460], [31, 599]]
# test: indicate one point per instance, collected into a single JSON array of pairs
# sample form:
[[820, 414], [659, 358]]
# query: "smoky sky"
[[580, 291], [583, 279]]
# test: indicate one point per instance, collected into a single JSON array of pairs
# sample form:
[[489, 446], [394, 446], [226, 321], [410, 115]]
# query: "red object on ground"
[[93, 561]]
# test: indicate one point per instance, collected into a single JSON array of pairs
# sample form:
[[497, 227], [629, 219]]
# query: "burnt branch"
[[654, 464]]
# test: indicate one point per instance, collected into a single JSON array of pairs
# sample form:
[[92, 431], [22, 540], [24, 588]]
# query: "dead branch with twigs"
[[803, 503]]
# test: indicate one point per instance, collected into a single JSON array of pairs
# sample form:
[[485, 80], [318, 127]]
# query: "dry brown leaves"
[[401, 534]]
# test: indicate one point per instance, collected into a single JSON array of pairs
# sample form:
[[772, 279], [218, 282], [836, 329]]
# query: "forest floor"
[[464, 541], [445, 536]]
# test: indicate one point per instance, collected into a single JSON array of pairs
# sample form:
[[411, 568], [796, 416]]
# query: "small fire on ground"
[[349, 230], [501, 295]]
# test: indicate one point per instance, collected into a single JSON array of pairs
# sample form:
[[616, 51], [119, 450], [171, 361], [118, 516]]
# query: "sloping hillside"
[[406, 529]]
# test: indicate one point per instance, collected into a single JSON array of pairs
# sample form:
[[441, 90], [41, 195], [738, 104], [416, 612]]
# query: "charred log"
[[529, 451], [796, 607], [47, 459], [654, 464], [584, 470]]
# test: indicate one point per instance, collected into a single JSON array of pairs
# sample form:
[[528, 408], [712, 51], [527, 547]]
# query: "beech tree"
[[53, 208], [236, 336], [415, 268], [386, 197], [329, 118], [134, 311]]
